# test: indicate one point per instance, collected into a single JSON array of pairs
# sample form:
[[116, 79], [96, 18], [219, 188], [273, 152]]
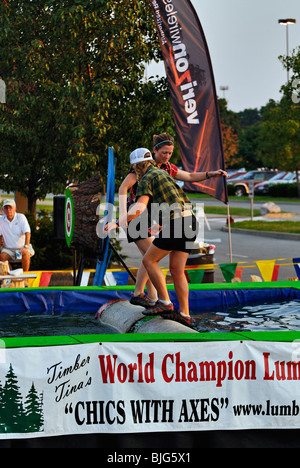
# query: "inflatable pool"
[[106, 389], [29, 304]]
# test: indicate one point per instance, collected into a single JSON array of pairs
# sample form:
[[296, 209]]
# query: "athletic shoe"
[[184, 319], [141, 300], [160, 309], [179, 317]]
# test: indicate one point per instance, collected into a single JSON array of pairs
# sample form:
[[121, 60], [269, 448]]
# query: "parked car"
[[290, 178], [236, 175], [263, 187], [242, 185]]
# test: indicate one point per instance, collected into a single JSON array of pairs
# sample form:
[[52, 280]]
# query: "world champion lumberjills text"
[[174, 369]]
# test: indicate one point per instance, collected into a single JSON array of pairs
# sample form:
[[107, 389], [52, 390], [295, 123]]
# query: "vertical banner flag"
[[193, 94]]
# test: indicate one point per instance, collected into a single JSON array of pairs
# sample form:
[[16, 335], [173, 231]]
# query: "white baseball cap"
[[9, 202], [140, 155]]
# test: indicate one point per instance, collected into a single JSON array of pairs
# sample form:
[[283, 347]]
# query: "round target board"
[[69, 217]]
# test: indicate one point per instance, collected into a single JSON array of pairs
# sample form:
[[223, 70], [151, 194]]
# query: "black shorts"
[[138, 229], [180, 234]]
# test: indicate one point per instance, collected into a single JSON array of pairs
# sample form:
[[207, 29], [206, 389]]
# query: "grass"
[[45, 207], [274, 226], [234, 211], [217, 210], [260, 198]]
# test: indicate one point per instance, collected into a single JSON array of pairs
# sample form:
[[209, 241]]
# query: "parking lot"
[[263, 181]]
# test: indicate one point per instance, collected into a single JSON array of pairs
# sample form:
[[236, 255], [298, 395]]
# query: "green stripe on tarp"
[[32, 342], [192, 287]]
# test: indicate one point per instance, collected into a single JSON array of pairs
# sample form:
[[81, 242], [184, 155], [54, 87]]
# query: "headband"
[[166, 141]]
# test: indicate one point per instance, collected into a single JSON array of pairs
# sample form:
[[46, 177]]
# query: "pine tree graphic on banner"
[[15, 417], [33, 410]]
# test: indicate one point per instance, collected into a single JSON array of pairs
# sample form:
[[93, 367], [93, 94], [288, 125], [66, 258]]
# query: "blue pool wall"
[[89, 300]]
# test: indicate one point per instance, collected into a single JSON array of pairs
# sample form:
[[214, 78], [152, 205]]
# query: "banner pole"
[[229, 232]]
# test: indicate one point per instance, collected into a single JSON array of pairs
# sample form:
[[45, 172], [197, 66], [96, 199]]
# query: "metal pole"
[[229, 232], [2, 91], [122, 261], [286, 22], [74, 267], [287, 52]]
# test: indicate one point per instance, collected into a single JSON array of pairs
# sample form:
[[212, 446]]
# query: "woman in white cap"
[[158, 191], [138, 230], [163, 147]]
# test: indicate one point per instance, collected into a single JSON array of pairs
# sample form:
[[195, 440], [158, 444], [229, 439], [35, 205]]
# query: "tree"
[[74, 77], [280, 128], [231, 146], [33, 411], [229, 117], [14, 417], [12, 411], [44, 242], [229, 128], [280, 136]]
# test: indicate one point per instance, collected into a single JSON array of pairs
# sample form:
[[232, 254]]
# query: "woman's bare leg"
[[177, 269], [151, 262], [142, 279]]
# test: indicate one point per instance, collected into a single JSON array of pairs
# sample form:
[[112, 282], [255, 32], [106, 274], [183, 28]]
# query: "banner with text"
[[149, 387], [193, 94]]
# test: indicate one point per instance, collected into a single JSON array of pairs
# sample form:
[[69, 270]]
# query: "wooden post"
[[4, 268], [22, 203]]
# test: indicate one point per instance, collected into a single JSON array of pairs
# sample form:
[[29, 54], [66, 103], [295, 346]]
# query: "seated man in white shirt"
[[16, 234]]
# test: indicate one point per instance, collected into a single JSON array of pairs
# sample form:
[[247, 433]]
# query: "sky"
[[245, 41]]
